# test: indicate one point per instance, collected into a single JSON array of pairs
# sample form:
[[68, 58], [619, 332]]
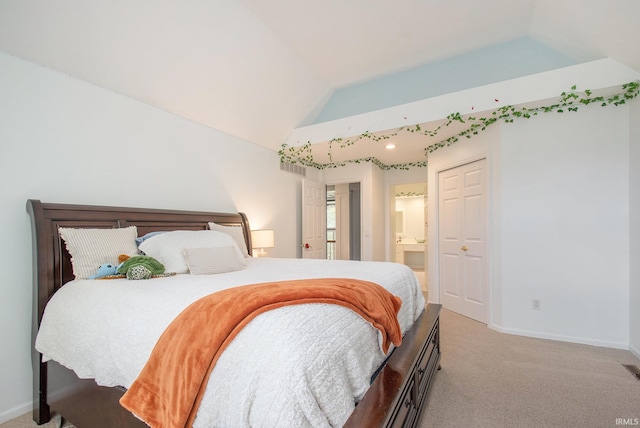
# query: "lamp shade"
[[263, 238]]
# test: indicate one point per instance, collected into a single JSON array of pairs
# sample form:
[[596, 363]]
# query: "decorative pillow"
[[90, 248], [209, 261], [235, 232], [168, 247], [141, 239]]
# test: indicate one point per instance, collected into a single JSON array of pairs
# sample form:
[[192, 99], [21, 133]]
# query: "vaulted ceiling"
[[258, 69]]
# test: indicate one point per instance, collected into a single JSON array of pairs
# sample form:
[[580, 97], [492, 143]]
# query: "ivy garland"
[[409, 194], [569, 101]]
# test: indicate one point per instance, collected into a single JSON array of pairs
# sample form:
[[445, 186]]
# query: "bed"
[[396, 388]]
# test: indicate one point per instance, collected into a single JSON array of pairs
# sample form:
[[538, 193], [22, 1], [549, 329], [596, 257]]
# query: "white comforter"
[[300, 365]]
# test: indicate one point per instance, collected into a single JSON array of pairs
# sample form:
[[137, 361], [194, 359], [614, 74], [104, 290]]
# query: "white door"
[[462, 236], [314, 219]]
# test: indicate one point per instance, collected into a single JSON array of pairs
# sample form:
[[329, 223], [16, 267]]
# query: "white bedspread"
[[309, 373]]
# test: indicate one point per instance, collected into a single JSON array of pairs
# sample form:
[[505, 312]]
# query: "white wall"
[[634, 226], [111, 150], [565, 226], [559, 222]]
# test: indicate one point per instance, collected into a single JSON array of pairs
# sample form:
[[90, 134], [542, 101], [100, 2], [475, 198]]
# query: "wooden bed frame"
[[396, 397]]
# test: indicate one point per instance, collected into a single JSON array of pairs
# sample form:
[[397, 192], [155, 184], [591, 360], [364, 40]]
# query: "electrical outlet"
[[535, 304]]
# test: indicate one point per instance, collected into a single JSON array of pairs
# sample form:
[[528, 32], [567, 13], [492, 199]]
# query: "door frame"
[[333, 182], [390, 232], [434, 225]]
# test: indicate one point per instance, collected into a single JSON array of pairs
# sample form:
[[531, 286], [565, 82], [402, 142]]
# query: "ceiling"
[[257, 69], [349, 41]]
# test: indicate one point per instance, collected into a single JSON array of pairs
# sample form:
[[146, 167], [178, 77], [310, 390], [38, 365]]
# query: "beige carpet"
[[489, 379], [26, 421]]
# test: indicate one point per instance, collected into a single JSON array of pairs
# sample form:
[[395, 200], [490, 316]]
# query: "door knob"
[[464, 248]]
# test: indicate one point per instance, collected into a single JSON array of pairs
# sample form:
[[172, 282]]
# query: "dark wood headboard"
[[52, 262]]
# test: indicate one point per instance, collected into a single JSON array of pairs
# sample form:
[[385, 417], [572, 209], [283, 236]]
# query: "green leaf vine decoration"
[[409, 195], [568, 101]]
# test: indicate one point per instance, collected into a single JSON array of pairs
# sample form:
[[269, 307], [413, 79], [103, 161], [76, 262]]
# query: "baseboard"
[[14, 412], [561, 338], [635, 351], [28, 407]]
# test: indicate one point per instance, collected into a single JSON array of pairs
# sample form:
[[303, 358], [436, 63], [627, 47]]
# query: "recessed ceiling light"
[[390, 146]]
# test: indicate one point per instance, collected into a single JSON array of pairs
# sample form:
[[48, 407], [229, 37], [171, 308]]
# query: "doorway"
[[343, 221], [409, 228]]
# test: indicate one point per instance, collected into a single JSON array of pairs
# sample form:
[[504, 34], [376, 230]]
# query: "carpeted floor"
[[25, 421], [490, 379]]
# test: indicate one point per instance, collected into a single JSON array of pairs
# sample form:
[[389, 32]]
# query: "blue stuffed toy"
[[136, 267], [106, 269]]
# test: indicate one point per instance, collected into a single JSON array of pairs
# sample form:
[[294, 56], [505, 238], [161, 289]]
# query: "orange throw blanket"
[[168, 391]]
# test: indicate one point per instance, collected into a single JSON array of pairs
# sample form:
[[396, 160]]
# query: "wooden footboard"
[[396, 397], [86, 404]]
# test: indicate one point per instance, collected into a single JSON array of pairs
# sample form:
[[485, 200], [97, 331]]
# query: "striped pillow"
[[90, 248], [236, 232], [213, 260]]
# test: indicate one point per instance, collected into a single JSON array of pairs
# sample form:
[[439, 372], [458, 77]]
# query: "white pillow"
[[90, 248], [235, 232], [168, 248], [209, 261]]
